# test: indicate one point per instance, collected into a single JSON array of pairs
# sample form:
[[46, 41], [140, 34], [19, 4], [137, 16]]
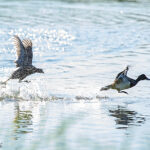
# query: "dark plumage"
[[122, 81], [24, 60]]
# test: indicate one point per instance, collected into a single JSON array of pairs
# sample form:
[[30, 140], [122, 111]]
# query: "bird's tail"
[[106, 88]]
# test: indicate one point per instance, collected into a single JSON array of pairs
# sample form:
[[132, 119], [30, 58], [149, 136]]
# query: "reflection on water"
[[22, 121], [125, 118]]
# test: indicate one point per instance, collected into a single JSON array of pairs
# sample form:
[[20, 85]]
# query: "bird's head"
[[142, 77], [39, 70]]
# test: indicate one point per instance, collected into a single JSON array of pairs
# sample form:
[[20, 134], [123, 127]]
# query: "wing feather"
[[27, 43], [20, 51], [124, 72]]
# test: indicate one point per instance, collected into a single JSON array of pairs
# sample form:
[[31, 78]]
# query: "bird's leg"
[[27, 81], [20, 80], [122, 92]]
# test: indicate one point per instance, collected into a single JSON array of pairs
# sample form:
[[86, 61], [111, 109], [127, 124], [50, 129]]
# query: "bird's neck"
[[134, 82], [137, 80]]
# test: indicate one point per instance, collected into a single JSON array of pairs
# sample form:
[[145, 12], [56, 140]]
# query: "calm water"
[[81, 45]]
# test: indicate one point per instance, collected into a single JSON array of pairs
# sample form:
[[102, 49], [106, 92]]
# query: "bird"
[[122, 82], [24, 60]]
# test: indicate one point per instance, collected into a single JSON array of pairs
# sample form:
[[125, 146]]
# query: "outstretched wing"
[[28, 48], [20, 51], [124, 72], [119, 78]]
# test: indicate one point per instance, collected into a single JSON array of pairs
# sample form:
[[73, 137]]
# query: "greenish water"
[[81, 46]]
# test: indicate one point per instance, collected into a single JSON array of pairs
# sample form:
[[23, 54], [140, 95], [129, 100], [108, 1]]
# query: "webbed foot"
[[24, 81], [27, 81], [122, 92], [3, 83]]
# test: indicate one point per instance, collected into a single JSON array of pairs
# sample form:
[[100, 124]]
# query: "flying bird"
[[122, 82], [24, 60]]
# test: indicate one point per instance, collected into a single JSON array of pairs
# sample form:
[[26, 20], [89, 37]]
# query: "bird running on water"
[[24, 60], [122, 82]]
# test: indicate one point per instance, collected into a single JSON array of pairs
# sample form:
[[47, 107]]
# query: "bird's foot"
[[24, 81], [122, 92], [3, 83]]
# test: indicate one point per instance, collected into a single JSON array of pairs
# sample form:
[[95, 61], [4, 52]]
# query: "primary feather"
[[24, 51], [28, 48], [20, 51]]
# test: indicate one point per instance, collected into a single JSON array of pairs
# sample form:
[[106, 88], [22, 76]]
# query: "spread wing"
[[24, 51], [124, 72], [121, 75], [20, 51], [28, 48]]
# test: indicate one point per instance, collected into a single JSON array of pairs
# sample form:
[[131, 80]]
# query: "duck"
[[122, 82], [24, 60]]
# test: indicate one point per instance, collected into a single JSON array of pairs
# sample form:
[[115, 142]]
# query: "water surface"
[[81, 46]]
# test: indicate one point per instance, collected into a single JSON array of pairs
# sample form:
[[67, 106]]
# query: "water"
[[81, 46]]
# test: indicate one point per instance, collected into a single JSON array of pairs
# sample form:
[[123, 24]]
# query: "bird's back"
[[23, 72]]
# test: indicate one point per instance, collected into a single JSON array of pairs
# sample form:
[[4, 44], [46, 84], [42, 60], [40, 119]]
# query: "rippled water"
[[81, 46]]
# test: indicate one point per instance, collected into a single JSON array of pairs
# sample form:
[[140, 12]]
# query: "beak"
[[147, 79]]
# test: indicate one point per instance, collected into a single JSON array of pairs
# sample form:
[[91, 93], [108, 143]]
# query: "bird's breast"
[[125, 84]]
